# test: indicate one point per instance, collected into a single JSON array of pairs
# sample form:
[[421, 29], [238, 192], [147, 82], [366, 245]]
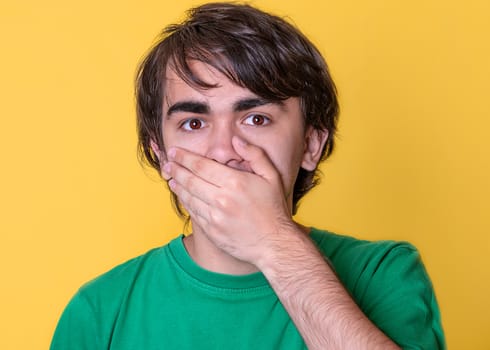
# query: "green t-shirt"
[[163, 300]]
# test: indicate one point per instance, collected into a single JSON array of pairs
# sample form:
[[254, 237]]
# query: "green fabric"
[[163, 300]]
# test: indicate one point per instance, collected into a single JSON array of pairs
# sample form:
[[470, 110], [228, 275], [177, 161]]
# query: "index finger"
[[205, 168]]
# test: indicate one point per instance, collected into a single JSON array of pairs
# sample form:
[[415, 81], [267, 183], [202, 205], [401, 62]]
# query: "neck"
[[208, 256]]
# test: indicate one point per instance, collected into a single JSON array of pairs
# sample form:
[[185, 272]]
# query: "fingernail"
[[166, 171], [171, 184]]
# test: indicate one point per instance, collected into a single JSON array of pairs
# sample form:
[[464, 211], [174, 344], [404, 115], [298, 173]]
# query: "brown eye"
[[195, 124], [192, 124], [257, 120]]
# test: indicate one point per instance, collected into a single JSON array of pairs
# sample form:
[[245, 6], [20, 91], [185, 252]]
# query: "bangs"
[[254, 50], [234, 56]]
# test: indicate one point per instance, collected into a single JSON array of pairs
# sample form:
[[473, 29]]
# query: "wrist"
[[282, 248]]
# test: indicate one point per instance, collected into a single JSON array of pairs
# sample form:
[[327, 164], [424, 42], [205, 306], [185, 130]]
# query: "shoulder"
[[362, 264], [116, 282], [352, 257], [389, 282], [89, 317], [337, 246]]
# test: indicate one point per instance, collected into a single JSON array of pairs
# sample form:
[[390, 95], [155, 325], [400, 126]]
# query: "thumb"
[[258, 160]]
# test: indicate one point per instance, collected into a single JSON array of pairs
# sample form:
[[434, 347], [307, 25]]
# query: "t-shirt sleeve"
[[399, 298], [77, 327]]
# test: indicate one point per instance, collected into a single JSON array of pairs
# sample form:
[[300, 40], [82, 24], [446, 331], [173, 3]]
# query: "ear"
[[315, 140], [159, 153]]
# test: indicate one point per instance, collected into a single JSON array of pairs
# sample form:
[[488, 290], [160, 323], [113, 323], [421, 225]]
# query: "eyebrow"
[[249, 103], [203, 108], [188, 106]]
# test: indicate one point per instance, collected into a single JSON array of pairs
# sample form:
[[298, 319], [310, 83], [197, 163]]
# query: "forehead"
[[224, 95], [175, 87], [194, 68]]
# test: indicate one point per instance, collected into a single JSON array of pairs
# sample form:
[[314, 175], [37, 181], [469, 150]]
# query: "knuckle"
[[213, 218], [234, 183], [184, 197], [223, 202], [216, 219], [189, 183], [198, 165]]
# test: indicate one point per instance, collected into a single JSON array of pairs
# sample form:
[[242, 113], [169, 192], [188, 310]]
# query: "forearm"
[[317, 302]]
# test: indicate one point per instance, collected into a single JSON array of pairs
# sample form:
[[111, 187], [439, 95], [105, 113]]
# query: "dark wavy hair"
[[256, 50]]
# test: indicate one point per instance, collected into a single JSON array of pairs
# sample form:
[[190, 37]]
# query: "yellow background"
[[412, 161]]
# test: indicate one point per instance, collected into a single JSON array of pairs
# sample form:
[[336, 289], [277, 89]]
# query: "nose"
[[220, 147]]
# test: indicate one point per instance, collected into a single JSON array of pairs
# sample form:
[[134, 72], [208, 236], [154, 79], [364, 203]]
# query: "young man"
[[236, 108]]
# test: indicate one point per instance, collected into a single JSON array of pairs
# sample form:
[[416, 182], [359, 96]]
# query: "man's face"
[[204, 122]]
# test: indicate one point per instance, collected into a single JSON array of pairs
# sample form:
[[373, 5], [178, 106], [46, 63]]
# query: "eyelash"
[[266, 120], [185, 125]]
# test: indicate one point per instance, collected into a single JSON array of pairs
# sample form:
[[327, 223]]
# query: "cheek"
[[287, 158], [193, 143]]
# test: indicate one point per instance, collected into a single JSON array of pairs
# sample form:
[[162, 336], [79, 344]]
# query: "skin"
[[232, 157]]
